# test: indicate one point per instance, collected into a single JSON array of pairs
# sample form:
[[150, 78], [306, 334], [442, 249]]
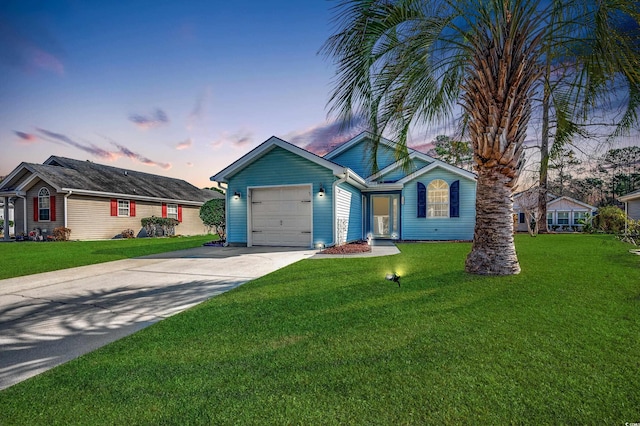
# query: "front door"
[[385, 212]]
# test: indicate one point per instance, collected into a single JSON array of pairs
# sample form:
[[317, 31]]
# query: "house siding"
[[358, 158], [45, 227], [280, 167], [633, 209], [348, 213], [398, 173], [89, 218], [453, 228]]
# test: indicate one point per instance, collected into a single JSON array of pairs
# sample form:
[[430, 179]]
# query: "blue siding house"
[[282, 195]]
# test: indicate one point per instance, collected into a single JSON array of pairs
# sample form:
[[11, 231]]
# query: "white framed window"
[[44, 205], [438, 199], [549, 218], [563, 218], [124, 208], [172, 211], [578, 216]]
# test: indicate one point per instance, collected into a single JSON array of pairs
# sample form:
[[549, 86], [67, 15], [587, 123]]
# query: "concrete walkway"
[[378, 248], [48, 319]]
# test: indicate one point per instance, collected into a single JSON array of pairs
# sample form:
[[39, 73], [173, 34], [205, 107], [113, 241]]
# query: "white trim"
[[130, 196], [393, 166], [266, 147], [434, 165], [630, 196], [249, 217]]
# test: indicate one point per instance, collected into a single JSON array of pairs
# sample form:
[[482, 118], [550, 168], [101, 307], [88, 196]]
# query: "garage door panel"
[[281, 216]]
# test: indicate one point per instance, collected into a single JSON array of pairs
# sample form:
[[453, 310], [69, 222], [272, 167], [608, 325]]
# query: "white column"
[[6, 219]]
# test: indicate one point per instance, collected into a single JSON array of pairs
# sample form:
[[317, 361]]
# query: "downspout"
[[65, 208], [335, 211]]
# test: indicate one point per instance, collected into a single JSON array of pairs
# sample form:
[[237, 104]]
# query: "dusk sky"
[[174, 88]]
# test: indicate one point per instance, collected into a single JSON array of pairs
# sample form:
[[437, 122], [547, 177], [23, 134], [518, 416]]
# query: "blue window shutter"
[[422, 200], [454, 199]]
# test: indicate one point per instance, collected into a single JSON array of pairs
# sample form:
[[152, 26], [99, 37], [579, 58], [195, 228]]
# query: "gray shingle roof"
[[88, 176]]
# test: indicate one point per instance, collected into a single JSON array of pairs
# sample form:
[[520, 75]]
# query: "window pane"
[[123, 207], [438, 199], [172, 211]]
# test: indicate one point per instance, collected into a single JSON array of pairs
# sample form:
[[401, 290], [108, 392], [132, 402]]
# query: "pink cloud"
[[155, 119], [26, 138], [184, 145]]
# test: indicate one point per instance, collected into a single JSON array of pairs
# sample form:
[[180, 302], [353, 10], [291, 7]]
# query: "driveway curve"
[[50, 318]]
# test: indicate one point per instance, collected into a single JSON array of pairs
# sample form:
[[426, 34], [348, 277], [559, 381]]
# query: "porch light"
[[393, 277], [236, 195], [321, 191]]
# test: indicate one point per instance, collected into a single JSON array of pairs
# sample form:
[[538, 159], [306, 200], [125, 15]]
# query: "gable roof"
[[272, 143], [630, 196], [572, 200], [85, 177]]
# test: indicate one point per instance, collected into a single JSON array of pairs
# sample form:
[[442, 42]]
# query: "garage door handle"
[[305, 201], [256, 231], [305, 232]]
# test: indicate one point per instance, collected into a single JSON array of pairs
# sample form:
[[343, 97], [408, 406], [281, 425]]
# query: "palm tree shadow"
[[37, 334]]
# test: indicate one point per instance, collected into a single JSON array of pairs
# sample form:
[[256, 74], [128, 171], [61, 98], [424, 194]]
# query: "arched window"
[[44, 205], [438, 199]]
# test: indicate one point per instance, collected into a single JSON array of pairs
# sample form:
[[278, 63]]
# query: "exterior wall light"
[[236, 195], [321, 191], [393, 277]]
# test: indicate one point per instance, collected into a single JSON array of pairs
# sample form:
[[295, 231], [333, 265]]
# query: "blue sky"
[[174, 88]]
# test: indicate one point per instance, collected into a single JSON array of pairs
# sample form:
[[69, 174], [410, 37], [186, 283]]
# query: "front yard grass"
[[331, 342], [29, 257]]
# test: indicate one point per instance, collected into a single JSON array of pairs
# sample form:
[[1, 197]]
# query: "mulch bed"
[[351, 248]]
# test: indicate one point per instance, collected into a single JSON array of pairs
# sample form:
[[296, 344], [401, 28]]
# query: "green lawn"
[[331, 342], [28, 257]]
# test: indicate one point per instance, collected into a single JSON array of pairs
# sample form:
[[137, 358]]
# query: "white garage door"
[[281, 216]]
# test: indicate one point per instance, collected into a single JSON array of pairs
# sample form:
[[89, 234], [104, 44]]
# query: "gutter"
[[132, 196]]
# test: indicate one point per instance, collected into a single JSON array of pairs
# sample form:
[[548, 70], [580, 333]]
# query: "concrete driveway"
[[48, 319]]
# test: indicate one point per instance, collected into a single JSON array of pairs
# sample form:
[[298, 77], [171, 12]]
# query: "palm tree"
[[405, 63]]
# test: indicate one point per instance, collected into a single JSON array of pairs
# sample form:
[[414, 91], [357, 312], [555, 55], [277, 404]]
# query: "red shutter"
[[114, 207], [164, 209], [179, 213], [35, 209], [132, 208], [52, 206]]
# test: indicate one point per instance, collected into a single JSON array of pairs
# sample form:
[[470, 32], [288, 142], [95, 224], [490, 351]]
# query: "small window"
[[578, 217], [549, 218], [563, 218], [123, 208], [438, 199], [44, 205], [521, 218], [172, 211]]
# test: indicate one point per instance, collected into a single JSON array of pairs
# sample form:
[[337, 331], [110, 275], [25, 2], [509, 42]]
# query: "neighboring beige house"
[[97, 201], [563, 213]]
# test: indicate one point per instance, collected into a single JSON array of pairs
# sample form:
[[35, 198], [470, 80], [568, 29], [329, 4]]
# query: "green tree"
[[405, 63], [456, 152], [212, 214]]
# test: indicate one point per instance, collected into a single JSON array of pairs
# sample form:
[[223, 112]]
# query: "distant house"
[[282, 195], [632, 204], [563, 212], [97, 201], [9, 213]]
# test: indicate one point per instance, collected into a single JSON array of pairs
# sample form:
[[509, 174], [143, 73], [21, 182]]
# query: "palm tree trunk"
[[493, 251]]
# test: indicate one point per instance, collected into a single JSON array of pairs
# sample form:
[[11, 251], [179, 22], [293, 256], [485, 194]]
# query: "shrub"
[[212, 214], [610, 219], [167, 225], [61, 233], [127, 233]]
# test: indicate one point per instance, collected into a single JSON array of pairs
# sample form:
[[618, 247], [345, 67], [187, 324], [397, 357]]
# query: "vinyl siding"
[[358, 158], [89, 218], [633, 209], [399, 173], [349, 210], [454, 228], [275, 168]]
